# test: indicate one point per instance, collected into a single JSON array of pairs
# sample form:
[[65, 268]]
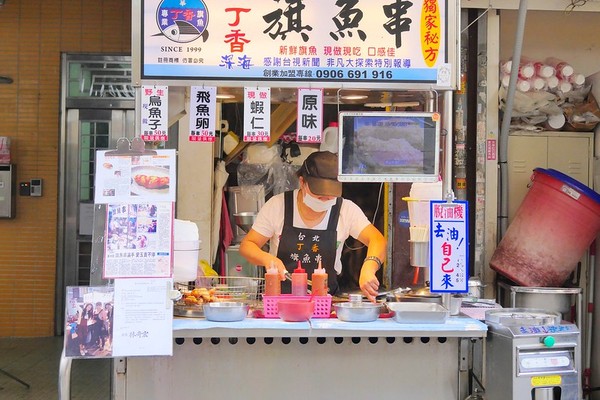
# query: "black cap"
[[320, 170]]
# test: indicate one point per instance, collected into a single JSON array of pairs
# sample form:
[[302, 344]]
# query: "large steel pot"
[[545, 298]]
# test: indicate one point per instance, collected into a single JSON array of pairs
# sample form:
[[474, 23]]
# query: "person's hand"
[[277, 263], [369, 284]]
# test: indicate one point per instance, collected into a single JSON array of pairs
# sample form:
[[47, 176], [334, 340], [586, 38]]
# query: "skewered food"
[[152, 182]]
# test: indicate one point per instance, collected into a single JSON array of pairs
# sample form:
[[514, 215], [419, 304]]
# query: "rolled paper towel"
[[555, 122], [562, 68], [538, 83], [577, 80], [552, 83], [543, 70], [564, 86], [526, 71], [523, 85]]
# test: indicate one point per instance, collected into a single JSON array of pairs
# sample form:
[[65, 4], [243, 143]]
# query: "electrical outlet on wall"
[[36, 187]]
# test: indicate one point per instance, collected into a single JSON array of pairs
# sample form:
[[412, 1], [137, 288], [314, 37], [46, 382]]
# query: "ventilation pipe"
[[510, 96]]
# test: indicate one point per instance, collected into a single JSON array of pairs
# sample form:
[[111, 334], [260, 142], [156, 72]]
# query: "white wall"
[[573, 37]]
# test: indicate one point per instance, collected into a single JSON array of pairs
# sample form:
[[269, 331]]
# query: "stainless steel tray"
[[188, 311], [418, 313], [522, 317]]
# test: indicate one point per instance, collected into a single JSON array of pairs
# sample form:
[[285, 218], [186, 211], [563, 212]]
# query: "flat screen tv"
[[389, 146]]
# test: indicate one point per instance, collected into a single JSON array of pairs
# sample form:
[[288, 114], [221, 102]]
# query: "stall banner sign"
[[449, 249], [309, 127], [203, 113], [155, 113], [257, 114], [374, 41], [138, 240]]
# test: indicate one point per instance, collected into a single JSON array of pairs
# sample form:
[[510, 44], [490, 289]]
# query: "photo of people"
[[89, 322], [137, 239]]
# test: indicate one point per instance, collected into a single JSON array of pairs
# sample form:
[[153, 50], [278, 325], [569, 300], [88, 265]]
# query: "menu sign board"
[[310, 116], [257, 111], [203, 114], [449, 251], [370, 41], [155, 111]]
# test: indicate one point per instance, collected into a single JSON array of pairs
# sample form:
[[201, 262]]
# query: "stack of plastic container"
[[418, 201], [186, 248], [552, 75]]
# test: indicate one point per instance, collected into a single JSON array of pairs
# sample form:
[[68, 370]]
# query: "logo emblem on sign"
[[182, 21]]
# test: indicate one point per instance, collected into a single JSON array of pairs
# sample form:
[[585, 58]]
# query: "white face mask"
[[316, 204]]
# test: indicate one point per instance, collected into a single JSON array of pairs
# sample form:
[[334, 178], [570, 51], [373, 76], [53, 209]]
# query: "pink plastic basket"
[[322, 305]]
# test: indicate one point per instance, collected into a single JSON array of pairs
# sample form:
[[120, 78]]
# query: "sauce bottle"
[[272, 282], [299, 281], [319, 281]]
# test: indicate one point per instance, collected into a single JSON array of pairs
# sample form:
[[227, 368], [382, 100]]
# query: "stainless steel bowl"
[[357, 312], [226, 311]]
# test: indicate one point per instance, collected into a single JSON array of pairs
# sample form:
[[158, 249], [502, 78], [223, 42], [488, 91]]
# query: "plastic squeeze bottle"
[[319, 281], [299, 281], [272, 281]]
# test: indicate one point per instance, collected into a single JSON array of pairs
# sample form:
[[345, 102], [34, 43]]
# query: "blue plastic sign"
[[449, 251]]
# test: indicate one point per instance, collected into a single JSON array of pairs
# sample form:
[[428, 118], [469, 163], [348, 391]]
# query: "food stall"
[[319, 358], [266, 49]]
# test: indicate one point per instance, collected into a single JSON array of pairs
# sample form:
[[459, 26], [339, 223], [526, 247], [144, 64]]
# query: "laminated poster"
[[138, 240], [132, 318], [132, 179]]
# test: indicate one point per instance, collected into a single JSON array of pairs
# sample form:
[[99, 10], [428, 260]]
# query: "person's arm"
[[251, 249], [376, 253]]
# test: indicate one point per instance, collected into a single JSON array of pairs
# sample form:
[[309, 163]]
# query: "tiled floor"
[[36, 362]]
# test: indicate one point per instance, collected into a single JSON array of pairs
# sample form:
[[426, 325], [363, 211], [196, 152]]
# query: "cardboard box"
[[583, 117]]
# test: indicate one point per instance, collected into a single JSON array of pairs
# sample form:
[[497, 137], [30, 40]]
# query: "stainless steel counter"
[[455, 326], [321, 358]]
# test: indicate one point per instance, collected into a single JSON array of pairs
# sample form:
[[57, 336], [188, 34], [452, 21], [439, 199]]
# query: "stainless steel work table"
[[320, 358]]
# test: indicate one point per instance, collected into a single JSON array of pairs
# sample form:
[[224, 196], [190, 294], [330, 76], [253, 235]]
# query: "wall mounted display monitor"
[[389, 146]]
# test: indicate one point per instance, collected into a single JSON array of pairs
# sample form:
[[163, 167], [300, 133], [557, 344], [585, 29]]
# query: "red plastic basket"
[[322, 305]]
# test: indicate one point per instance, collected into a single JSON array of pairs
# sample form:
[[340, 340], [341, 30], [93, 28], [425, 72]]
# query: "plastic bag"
[[257, 166], [285, 177], [255, 174]]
